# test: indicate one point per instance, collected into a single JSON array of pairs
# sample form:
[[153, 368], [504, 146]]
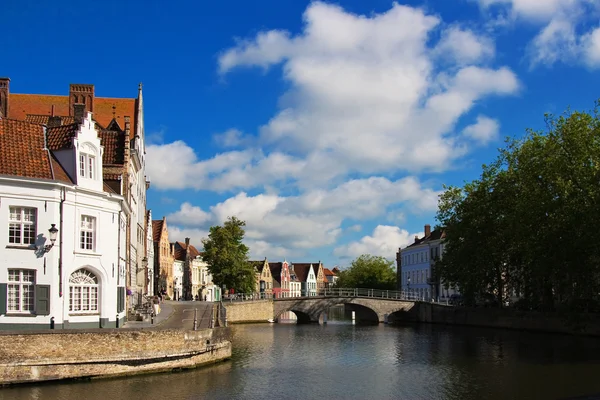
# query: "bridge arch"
[[367, 310]]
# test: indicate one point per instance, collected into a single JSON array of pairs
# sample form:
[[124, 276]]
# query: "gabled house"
[[163, 258], [281, 279], [295, 284], [120, 123], [307, 277], [263, 279], [192, 267], [330, 276], [63, 246], [149, 250], [320, 277]]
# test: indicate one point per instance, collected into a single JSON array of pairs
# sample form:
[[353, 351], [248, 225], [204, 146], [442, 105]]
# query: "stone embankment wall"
[[248, 312], [508, 319], [52, 355]]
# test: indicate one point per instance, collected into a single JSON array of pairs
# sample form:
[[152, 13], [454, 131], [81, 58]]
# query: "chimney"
[[427, 230], [81, 94], [416, 238], [78, 112], [4, 97], [54, 120]]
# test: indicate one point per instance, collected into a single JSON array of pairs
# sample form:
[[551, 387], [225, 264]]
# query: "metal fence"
[[333, 292]]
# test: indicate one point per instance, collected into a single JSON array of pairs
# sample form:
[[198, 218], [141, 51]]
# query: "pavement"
[[178, 315]]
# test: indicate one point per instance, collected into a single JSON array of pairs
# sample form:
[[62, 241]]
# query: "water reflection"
[[339, 360]]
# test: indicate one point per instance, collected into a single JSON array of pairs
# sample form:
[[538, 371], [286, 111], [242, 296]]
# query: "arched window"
[[83, 292]]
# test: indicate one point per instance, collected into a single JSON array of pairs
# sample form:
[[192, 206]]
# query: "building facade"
[[416, 273], [163, 258], [120, 122], [65, 229]]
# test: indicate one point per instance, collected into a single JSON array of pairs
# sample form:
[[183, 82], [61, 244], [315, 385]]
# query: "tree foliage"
[[367, 271], [527, 225], [227, 256]]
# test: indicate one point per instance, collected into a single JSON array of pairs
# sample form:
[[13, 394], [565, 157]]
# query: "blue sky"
[[329, 128]]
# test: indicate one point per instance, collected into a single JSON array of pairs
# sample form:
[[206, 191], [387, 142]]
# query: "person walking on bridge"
[[156, 305]]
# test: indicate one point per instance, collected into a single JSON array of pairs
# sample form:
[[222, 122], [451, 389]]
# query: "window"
[[22, 226], [88, 228], [83, 292], [86, 166], [21, 287]]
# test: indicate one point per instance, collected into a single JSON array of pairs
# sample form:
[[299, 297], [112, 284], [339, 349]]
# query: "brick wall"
[[40, 356], [254, 311]]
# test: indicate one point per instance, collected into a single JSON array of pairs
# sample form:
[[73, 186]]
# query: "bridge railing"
[[331, 292]]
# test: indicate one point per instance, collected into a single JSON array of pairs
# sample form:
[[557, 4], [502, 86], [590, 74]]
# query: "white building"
[[416, 267], [120, 122], [64, 229], [177, 279]]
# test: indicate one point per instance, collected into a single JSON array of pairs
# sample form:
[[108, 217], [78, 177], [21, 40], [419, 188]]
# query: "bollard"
[[52, 323], [117, 321], [195, 319]]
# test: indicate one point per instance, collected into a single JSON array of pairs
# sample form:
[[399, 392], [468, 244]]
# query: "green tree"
[[227, 256], [526, 223], [367, 271]]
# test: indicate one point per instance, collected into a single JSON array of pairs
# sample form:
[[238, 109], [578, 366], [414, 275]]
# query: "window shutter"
[[3, 294], [42, 299]]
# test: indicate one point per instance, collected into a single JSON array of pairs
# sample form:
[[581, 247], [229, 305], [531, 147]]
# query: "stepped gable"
[[23, 153]]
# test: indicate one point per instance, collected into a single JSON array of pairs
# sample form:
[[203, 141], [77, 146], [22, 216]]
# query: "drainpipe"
[[63, 196]]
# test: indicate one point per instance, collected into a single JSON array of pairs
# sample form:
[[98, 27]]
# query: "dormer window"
[[87, 165]]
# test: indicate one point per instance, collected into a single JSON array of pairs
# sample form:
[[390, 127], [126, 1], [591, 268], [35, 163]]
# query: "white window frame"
[[86, 232], [17, 218], [20, 291], [87, 166], [84, 292]]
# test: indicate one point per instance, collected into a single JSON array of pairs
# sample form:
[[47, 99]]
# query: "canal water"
[[340, 360]]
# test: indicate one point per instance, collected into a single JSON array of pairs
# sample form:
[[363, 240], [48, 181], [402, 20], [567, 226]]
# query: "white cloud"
[[178, 234], [232, 138], [484, 130], [384, 242], [354, 228], [591, 48], [312, 219], [562, 36], [366, 97], [464, 46]]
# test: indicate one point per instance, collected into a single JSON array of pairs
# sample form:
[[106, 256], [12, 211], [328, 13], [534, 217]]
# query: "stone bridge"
[[367, 309]]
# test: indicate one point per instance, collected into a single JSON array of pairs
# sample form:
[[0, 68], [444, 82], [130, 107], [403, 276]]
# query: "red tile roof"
[[22, 152], [301, 271], [43, 119], [61, 137], [41, 104], [114, 147], [328, 272], [180, 251]]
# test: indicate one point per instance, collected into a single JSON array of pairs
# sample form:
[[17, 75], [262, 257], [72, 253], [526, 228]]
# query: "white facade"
[[177, 279], [149, 289], [295, 288], [417, 264], [79, 282], [311, 283], [211, 291]]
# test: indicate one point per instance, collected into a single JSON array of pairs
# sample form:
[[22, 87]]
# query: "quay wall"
[[249, 311], [509, 319], [35, 356]]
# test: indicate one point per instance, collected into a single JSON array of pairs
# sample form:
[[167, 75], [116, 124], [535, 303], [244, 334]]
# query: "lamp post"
[[408, 285], [52, 234]]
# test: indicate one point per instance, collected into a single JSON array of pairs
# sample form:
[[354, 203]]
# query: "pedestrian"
[[156, 305], [159, 297], [204, 297]]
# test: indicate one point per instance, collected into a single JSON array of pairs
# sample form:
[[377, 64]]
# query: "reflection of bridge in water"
[[367, 305]]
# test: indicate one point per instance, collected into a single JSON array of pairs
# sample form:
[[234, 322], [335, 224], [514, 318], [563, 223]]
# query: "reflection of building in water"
[[288, 316]]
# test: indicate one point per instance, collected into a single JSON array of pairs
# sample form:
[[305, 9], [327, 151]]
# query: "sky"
[[329, 127]]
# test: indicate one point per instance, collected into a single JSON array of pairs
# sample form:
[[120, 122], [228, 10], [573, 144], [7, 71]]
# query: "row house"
[[330, 277], [280, 272], [416, 267], [307, 276], [64, 242], [163, 258], [263, 279], [119, 123], [196, 280]]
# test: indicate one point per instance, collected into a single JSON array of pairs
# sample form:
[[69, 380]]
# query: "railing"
[[331, 292]]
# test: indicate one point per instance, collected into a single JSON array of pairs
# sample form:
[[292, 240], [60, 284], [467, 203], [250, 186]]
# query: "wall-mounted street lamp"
[[52, 233]]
